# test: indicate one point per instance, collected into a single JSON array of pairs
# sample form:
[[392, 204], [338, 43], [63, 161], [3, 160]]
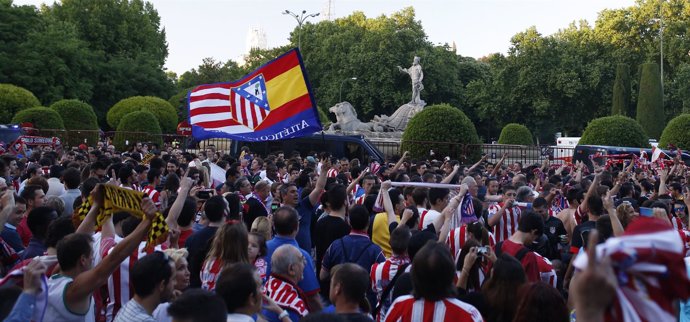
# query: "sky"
[[197, 29]]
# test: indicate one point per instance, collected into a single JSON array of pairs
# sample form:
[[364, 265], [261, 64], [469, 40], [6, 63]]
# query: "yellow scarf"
[[120, 199]]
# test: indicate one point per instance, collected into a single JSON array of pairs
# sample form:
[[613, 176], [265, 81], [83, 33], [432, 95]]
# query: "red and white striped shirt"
[[153, 194], [458, 237], [332, 173], [407, 309], [120, 290], [508, 224], [209, 273], [676, 222], [381, 275]]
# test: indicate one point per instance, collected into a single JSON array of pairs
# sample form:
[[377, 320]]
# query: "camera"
[[204, 194], [483, 250]]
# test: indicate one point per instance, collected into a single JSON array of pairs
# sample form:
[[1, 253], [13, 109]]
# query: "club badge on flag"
[[271, 103]]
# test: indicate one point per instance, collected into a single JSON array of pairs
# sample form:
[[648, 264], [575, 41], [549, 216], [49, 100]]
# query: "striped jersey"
[[209, 273], [508, 224], [459, 236], [380, 276], [332, 173], [153, 194], [408, 309], [120, 289]]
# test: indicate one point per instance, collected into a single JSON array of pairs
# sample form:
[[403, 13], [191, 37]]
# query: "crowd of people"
[[148, 234]]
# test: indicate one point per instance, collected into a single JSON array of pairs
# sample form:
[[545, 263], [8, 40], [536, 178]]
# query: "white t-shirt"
[[430, 217]]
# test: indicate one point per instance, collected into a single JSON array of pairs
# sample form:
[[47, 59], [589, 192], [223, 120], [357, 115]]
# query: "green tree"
[[616, 130], [16, 23], [514, 133], [41, 117], [179, 102], [163, 111], [137, 126], [650, 109], [441, 128], [80, 119], [129, 44], [621, 91], [14, 99], [210, 71]]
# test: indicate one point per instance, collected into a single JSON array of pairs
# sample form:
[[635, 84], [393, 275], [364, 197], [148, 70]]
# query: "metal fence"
[[73, 138], [391, 148], [466, 153]]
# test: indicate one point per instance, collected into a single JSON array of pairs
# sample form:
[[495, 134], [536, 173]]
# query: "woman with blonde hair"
[[181, 276], [262, 226], [230, 245]]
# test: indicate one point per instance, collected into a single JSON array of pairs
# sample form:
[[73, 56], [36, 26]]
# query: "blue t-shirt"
[[309, 283], [353, 248], [306, 211]]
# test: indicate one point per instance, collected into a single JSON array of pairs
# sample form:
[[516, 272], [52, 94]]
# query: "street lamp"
[[300, 21], [341, 86]]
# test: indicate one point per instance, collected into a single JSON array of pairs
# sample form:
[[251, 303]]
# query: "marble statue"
[[346, 115], [416, 75], [346, 120]]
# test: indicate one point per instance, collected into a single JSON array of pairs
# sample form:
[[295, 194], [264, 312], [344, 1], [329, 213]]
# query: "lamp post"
[[341, 86], [300, 21]]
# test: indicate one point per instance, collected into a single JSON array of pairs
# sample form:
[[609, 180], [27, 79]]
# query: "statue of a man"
[[416, 74]]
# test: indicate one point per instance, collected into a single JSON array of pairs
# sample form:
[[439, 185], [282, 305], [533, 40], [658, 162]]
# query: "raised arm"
[[476, 165], [400, 162], [613, 215], [354, 182], [452, 175], [320, 182], [88, 225], [387, 203], [498, 165], [590, 192], [447, 214], [78, 293], [663, 175], [185, 185]]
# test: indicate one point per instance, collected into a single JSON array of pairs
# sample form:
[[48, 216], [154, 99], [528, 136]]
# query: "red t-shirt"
[[184, 234], [24, 232], [529, 261]]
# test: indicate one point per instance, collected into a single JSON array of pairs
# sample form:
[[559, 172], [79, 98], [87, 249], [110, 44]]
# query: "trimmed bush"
[[41, 117], [80, 119], [434, 128], [514, 133], [165, 113], [617, 130], [650, 105], [14, 99], [621, 91], [138, 126], [677, 132]]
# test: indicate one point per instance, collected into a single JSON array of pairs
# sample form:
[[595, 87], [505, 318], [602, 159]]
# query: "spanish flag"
[[273, 102]]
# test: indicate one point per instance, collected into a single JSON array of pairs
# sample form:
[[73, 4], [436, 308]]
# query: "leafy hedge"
[[80, 119], [164, 113], [41, 117], [650, 105], [14, 99], [616, 130], [514, 133], [138, 126], [677, 132], [436, 126]]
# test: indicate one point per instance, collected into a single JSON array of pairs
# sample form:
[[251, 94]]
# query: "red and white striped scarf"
[[286, 295], [648, 261]]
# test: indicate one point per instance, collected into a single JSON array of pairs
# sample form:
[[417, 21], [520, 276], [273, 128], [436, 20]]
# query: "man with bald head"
[[286, 225], [288, 268]]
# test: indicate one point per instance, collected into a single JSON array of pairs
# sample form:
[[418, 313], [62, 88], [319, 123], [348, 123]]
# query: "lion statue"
[[346, 117]]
